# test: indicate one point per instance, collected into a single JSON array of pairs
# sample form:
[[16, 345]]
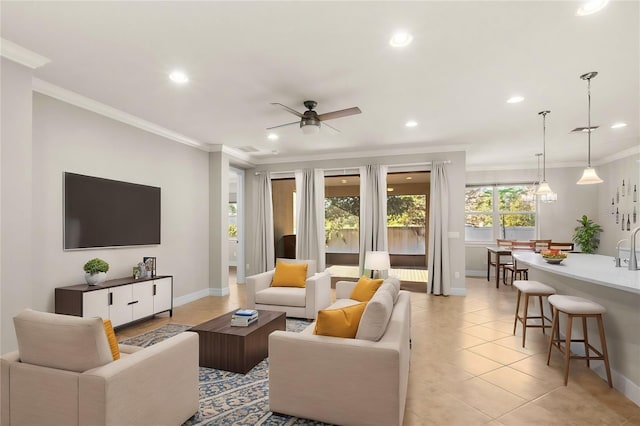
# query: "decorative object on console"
[[377, 261], [589, 175], [150, 265], [95, 271]]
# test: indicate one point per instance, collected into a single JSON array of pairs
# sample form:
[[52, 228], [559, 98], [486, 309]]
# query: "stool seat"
[[575, 305], [533, 287]]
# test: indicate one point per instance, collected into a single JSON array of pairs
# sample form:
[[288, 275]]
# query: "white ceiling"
[[466, 59]]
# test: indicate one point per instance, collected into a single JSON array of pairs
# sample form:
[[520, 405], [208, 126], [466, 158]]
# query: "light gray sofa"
[[64, 374], [343, 381], [294, 301]]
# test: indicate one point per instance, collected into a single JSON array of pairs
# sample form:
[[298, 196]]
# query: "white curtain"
[[373, 210], [264, 246], [439, 262], [310, 240]]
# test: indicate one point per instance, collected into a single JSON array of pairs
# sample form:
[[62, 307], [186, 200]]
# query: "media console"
[[122, 300]]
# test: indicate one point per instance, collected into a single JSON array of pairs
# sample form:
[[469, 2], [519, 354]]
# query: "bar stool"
[[579, 307], [533, 289]]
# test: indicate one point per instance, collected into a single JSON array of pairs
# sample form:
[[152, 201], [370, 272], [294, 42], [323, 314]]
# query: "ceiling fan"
[[310, 120]]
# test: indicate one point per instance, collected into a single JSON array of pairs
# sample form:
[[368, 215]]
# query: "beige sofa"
[[343, 381], [63, 374], [294, 301]]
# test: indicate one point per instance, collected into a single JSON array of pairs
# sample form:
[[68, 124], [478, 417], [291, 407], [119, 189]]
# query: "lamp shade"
[[310, 129], [377, 261], [589, 177], [544, 188]]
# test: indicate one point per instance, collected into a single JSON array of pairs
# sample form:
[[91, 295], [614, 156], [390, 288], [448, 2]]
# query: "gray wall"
[[66, 138], [456, 199]]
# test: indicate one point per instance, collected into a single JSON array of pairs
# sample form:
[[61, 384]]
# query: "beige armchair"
[[63, 374], [294, 301]]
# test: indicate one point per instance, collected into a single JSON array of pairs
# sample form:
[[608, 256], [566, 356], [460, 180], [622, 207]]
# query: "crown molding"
[[89, 104], [389, 151], [238, 158], [20, 55], [619, 155]]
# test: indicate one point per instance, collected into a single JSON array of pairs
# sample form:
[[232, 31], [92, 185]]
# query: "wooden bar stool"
[[578, 307], [531, 289]]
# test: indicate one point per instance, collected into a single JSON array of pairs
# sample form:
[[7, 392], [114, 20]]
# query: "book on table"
[[243, 321], [246, 313]]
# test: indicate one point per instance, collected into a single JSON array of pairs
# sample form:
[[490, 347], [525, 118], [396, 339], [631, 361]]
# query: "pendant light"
[[544, 188], [589, 175]]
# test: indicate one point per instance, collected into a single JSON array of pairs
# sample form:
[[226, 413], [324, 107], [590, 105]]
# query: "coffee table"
[[237, 349]]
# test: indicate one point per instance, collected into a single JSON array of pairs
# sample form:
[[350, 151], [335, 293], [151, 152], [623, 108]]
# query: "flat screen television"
[[109, 213]]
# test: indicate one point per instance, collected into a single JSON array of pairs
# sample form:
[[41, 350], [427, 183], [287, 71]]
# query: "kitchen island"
[[596, 278]]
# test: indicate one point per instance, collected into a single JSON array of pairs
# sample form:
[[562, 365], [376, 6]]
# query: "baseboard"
[[192, 297], [620, 382], [475, 273], [457, 291]]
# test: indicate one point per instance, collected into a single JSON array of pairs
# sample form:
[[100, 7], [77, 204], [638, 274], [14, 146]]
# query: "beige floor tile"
[[535, 343], [485, 333], [443, 408], [498, 353], [487, 397], [516, 382], [473, 363]]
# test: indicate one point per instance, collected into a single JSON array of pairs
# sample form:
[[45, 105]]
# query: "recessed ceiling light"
[[408, 178], [411, 123], [591, 6], [179, 77], [515, 99], [272, 137], [389, 189], [343, 181], [618, 125], [401, 39]]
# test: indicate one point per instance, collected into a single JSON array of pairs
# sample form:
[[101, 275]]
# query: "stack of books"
[[244, 317]]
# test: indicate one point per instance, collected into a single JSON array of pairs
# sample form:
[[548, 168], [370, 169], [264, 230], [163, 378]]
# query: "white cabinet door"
[[163, 295], [120, 309], [96, 304], [142, 300]]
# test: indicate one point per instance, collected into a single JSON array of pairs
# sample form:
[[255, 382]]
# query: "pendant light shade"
[[544, 190], [589, 175]]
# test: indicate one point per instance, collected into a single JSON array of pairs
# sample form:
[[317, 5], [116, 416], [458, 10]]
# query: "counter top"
[[592, 268]]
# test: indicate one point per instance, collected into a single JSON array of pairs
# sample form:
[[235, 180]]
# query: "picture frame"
[[150, 264]]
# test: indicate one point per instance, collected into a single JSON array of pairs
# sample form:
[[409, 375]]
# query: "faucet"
[[633, 259], [617, 259]]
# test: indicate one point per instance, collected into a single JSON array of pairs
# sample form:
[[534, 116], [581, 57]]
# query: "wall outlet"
[[456, 274]]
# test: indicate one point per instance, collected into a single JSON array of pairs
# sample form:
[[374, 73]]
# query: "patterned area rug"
[[228, 398]]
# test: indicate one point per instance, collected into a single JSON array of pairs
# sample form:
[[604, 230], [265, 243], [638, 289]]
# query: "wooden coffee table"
[[237, 349]]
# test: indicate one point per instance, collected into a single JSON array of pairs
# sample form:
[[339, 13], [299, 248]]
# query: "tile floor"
[[466, 366]]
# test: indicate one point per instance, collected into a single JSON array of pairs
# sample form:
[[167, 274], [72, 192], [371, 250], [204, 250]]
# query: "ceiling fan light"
[[310, 129], [591, 6], [589, 177], [544, 188]]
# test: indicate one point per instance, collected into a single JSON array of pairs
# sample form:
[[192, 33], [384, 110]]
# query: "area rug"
[[228, 398]]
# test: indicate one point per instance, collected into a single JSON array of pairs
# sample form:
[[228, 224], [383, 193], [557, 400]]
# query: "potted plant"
[[587, 234], [95, 271]]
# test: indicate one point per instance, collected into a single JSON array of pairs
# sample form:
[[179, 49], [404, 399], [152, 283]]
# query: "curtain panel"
[[439, 261], [310, 240], [373, 211], [264, 243]]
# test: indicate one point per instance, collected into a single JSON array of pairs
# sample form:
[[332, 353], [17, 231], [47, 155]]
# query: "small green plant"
[[96, 265], [587, 234]]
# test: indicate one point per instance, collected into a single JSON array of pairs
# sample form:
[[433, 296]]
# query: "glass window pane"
[[406, 219], [478, 199], [342, 221], [521, 226], [478, 227], [512, 199]]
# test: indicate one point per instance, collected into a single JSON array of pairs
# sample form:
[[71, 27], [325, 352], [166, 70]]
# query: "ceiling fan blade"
[[337, 114], [291, 110], [331, 127], [283, 125]]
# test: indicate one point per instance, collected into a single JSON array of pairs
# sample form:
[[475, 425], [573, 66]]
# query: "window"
[[233, 220], [493, 212], [342, 223]]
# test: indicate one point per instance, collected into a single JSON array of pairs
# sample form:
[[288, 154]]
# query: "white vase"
[[94, 279]]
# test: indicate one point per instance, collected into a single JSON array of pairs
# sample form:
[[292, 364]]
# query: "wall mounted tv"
[[109, 213]]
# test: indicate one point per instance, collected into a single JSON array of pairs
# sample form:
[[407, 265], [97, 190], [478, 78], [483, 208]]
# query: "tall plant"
[[587, 235]]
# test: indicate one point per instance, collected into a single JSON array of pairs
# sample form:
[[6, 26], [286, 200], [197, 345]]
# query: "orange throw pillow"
[[365, 289], [289, 275], [341, 322], [111, 337]]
